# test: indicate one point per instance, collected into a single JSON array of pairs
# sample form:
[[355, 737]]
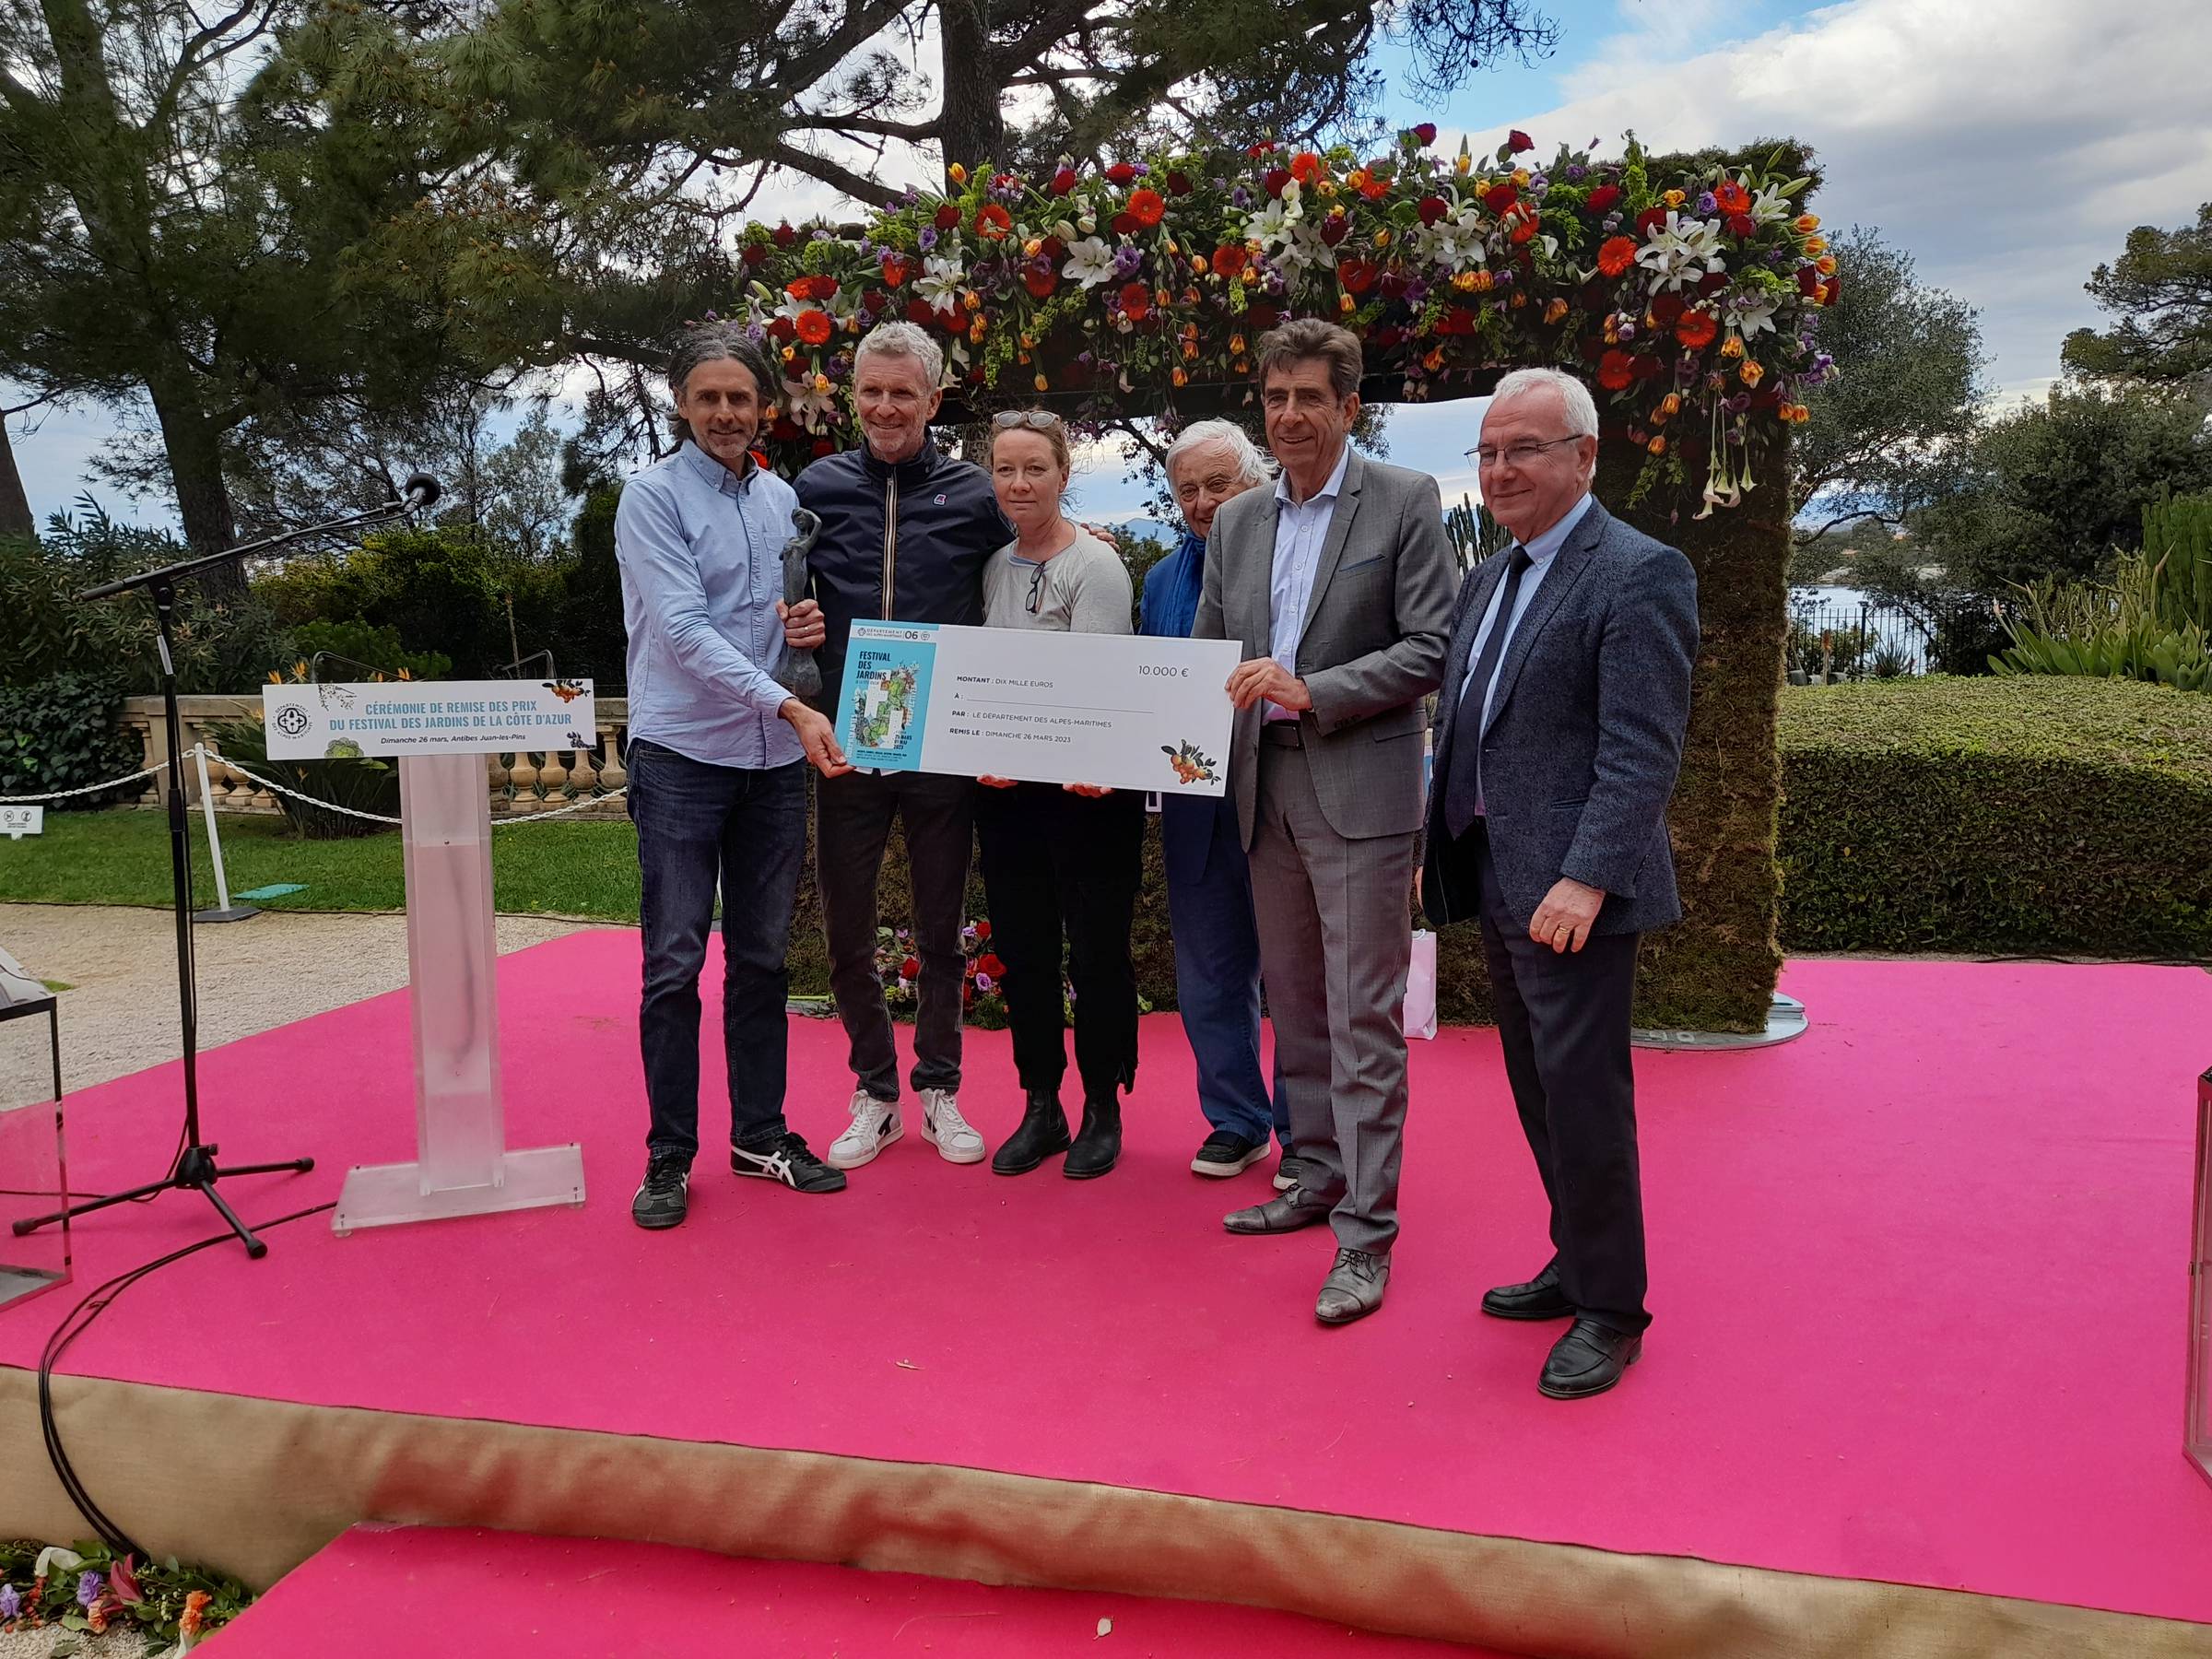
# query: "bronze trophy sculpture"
[[796, 670]]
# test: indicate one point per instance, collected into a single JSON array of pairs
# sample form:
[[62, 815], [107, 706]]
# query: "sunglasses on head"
[[1040, 420]]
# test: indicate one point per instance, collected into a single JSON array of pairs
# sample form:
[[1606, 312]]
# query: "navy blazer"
[[1585, 733]]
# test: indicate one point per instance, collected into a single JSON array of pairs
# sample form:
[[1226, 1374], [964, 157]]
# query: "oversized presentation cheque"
[[1125, 711]]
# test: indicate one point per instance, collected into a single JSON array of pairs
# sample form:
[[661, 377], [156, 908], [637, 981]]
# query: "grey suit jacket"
[[1585, 733], [1373, 646]]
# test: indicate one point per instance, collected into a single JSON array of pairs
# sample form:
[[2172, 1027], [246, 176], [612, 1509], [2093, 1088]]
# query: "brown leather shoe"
[[1285, 1212]]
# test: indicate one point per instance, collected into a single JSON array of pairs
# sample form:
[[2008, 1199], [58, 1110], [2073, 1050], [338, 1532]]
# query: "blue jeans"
[[1217, 970], [697, 823]]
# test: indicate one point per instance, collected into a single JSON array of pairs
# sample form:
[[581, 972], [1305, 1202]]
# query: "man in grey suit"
[[1339, 584], [1559, 733]]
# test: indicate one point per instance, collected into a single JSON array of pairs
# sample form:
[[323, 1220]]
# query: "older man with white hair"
[[1210, 878], [1564, 702]]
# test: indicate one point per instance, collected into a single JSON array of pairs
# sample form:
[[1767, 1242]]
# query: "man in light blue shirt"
[[717, 758]]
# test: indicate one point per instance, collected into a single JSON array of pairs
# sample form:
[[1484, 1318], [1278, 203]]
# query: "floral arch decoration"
[[1689, 294]]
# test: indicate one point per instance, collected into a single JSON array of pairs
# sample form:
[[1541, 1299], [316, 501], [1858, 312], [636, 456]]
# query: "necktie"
[[1463, 788]]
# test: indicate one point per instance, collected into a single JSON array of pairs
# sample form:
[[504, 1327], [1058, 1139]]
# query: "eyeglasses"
[[1039, 420], [1036, 589], [1518, 455]]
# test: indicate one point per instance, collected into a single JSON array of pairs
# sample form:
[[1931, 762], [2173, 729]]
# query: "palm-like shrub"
[[2152, 621]]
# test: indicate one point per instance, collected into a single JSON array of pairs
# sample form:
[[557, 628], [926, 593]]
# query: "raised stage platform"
[[1919, 1285]]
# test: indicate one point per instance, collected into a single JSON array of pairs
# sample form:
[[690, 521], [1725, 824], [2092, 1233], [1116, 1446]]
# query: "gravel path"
[[120, 1014]]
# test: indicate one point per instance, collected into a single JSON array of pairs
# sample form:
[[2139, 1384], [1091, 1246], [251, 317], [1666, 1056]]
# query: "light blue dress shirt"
[[1541, 550], [1302, 528], [701, 550]]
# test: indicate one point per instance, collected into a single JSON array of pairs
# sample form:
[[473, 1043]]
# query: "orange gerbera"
[[993, 222], [1617, 255], [1147, 206], [1731, 197], [815, 327], [811, 288], [1696, 330], [1306, 167]]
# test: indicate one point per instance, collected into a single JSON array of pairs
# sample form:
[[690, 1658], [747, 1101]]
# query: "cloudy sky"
[[2007, 148]]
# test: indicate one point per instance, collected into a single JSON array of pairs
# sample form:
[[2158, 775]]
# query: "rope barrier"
[[64, 795]]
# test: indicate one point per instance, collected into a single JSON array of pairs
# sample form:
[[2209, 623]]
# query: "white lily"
[[1751, 312], [1089, 261], [810, 404], [1768, 203], [940, 281], [1681, 251], [54, 1555]]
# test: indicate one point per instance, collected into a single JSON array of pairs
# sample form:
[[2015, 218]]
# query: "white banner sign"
[[426, 717], [1121, 710], [16, 823]]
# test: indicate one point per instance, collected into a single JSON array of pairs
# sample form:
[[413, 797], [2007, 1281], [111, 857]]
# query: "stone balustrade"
[[519, 783]]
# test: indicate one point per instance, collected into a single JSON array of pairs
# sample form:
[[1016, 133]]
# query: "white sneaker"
[[954, 1138], [874, 1126]]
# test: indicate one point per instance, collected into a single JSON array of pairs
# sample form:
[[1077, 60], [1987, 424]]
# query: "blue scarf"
[[1171, 590]]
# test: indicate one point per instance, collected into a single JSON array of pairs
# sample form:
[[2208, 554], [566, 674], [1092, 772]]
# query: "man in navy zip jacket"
[[906, 532]]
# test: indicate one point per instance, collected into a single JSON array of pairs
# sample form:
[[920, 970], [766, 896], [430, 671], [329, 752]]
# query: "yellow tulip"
[[1657, 445], [1042, 384], [1198, 264], [1675, 198], [1807, 223], [1816, 244], [1751, 373], [1555, 311], [1346, 305], [956, 173]]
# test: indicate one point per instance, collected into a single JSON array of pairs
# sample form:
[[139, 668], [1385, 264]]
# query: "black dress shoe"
[[1043, 1132], [1285, 1212], [1539, 1298], [1587, 1360]]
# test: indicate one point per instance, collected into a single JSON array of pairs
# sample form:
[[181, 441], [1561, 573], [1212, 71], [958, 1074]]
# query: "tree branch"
[[830, 172], [914, 132]]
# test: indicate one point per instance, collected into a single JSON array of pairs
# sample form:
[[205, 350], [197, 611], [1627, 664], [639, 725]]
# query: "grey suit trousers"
[[1335, 943]]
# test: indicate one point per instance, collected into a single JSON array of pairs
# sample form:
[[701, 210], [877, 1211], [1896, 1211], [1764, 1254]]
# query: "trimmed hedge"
[[1982, 817], [2038, 814]]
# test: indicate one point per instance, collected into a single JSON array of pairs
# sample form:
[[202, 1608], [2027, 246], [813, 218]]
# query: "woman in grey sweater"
[[1061, 864]]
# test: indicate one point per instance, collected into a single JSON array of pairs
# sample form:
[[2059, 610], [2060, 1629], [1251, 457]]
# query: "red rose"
[[1519, 141], [1394, 285], [1649, 367], [1712, 282], [1229, 259], [1456, 320], [1602, 198], [1179, 183], [1809, 281], [1498, 197], [918, 312], [1426, 132], [1742, 224], [982, 930], [1064, 181], [1040, 280], [1124, 224], [1334, 228], [1136, 301], [1261, 316], [1121, 172], [1147, 206], [947, 216], [755, 256], [978, 375], [782, 329], [1274, 179], [1616, 370], [1665, 308], [1650, 219], [1053, 248], [1593, 347], [1832, 290], [989, 963], [783, 430], [1358, 275], [910, 968], [1257, 150], [873, 301], [785, 235], [1432, 208]]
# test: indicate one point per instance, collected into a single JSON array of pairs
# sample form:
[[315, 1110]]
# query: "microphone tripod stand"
[[195, 1167]]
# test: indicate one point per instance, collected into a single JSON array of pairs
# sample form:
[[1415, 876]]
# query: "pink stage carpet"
[[381, 1591], [1919, 1281]]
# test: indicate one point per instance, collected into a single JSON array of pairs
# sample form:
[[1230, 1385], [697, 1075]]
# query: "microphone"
[[422, 492]]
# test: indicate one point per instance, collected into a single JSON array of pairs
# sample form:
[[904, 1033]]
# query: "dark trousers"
[[1065, 866], [1218, 973], [1563, 1019], [697, 825], [852, 824]]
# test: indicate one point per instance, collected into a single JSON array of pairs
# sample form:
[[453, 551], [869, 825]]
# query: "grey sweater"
[[1082, 590]]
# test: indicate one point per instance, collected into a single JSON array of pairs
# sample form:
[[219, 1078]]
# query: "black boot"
[[1099, 1147], [1043, 1132]]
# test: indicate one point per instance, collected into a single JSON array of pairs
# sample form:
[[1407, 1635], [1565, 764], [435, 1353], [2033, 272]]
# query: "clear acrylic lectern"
[[463, 1167]]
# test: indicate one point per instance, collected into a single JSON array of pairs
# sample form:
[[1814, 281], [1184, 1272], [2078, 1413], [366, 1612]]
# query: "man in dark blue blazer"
[[1559, 733], [1210, 878]]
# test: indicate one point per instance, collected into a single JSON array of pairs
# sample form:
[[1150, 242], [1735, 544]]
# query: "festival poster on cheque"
[[1119, 710]]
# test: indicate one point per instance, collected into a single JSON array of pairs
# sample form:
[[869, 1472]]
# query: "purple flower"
[[1125, 260], [1823, 363], [1416, 293], [1780, 257], [1220, 183], [903, 935], [1575, 172], [928, 238], [1274, 283], [1241, 197], [1503, 279], [1140, 169], [756, 335], [968, 934], [983, 981], [87, 1589], [1686, 369], [11, 1601], [1612, 223], [1085, 359], [1540, 183], [1706, 202], [1626, 330]]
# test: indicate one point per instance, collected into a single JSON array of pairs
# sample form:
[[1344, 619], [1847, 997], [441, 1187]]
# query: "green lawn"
[[122, 857]]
